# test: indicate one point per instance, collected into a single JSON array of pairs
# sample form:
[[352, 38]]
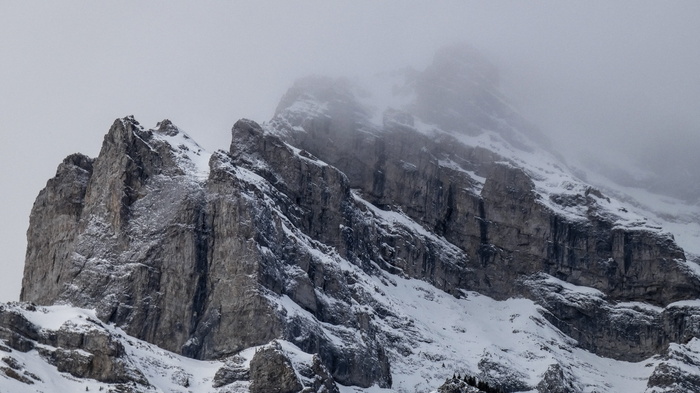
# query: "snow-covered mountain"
[[374, 236]]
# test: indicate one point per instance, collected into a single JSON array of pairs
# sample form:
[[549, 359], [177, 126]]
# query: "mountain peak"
[[166, 127], [464, 64], [326, 247]]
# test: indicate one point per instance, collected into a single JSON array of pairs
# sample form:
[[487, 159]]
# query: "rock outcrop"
[[89, 355], [83, 351], [188, 263]]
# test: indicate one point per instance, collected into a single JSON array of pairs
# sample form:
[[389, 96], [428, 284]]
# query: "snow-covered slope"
[[33, 371], [430, 336]]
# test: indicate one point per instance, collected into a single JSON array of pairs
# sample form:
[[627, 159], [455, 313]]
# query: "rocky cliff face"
[[487, 205], [306, 228], [188, 260]]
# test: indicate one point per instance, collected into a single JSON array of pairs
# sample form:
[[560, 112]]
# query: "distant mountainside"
[[375, 236]]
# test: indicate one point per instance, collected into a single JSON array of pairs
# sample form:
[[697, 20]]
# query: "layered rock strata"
[[208, 254]]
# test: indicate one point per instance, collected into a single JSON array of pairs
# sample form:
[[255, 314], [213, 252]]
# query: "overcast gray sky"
[[592, 74]]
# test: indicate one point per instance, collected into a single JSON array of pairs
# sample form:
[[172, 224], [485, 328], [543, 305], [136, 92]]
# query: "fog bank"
[[609, 82]]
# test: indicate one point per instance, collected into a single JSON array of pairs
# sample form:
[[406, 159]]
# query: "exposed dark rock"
[[557, 380], [457, 386], [12, 362], [15, 375], [57, 211], [104, 359], [679, 371], [197, 280], [17, 332], [321, 380], [501, 377], [163, 291], [232, 371], [272, 372], [467, 385], [622, 331], [674, 379], [84, 353]]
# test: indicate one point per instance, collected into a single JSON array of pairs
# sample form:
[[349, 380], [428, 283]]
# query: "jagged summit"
[[166, 127], [329, 249], [356, 113], [458, 93]]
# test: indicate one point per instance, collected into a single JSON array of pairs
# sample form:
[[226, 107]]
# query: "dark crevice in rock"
[[443, 224], [486, 251], [627, 247], [483, 223], [201, 269], [379, 175]]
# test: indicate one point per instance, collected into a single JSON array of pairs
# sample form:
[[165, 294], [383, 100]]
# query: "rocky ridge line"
[[280, 236]]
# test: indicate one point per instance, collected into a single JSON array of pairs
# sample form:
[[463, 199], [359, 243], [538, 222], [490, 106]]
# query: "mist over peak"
[[361, 232], [599, 78], [457, 92]]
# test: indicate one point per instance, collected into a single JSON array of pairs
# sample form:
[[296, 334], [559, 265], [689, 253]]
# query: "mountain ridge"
[[325, 230]]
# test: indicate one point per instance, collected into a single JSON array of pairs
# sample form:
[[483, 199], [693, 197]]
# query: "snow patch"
[[192, 158]]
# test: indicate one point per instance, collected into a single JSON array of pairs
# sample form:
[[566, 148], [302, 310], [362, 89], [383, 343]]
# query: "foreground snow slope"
[[432, 335]]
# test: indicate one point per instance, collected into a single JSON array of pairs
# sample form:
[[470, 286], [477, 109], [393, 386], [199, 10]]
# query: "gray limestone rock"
[[272, 372], [232, 371], [17, 331], [504, 233], [557, 380], [84, 353], [144, 259], [207, 259], [12, 373], [500, 376], [191, 264], [679, 372], [457, 386], [627, 331]]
